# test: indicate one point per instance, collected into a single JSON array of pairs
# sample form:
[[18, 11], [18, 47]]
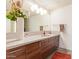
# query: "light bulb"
[[34, 7], [45, 11]]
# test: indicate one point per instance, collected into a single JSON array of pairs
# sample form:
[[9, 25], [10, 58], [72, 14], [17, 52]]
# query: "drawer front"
[[32, 47], [13, 53], [34, 55], [51, 42], [21, 57], [44, 43], [16, 57]]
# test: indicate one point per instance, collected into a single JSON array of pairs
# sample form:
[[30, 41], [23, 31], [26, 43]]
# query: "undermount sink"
[[33, 37]]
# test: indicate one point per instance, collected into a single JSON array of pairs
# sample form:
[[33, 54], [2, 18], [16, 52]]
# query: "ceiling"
[[49, 5]]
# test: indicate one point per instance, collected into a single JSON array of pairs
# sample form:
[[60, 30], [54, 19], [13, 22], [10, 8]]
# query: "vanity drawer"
[[30, 48], [44, 43], [16, 53], [35, 55]]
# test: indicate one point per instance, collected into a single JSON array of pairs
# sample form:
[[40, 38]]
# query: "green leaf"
[[12, 15]]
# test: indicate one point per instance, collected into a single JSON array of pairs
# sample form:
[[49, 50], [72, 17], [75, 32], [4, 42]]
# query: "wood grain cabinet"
[[33, 51], [16, 53], [56, 41], [49, 45], [44, 48], [36, 50]]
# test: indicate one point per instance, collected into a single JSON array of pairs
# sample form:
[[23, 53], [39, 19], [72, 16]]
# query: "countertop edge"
[[26, 43]]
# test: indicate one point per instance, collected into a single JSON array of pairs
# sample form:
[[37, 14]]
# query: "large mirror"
[[36, 17]]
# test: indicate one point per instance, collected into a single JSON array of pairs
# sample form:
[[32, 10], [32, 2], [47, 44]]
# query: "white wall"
[[64, 16]]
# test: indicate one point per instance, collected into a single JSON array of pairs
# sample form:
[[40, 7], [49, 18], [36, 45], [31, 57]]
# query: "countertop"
[[29, 40]]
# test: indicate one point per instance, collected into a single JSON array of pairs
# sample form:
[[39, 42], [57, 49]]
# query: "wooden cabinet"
[[33, 51], [16, 53], [56, 41], [35, 55], [36, 50], [44, 48], [49, 45]]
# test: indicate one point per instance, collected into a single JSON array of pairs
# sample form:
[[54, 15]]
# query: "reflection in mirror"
[[26, 25], [10, 26], [33, 24]]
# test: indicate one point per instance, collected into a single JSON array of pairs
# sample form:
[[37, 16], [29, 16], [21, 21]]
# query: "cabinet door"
[[21, 57], [51, 42], [30, 48], [44, 43], [16, 53], [33, 51], [44, 48], [35, 55], [56, 41]]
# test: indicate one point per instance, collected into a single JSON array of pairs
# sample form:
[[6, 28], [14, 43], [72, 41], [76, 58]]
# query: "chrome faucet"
[[44, 33]]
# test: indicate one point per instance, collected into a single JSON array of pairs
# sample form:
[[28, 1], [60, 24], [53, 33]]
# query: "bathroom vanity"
[[33, 47]]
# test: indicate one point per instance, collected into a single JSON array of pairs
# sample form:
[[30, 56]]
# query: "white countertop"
[[28, 40]]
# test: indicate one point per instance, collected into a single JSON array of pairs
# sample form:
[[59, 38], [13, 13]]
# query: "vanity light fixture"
[[42, 11], [37, 9], [45, 11], [34, 7]]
